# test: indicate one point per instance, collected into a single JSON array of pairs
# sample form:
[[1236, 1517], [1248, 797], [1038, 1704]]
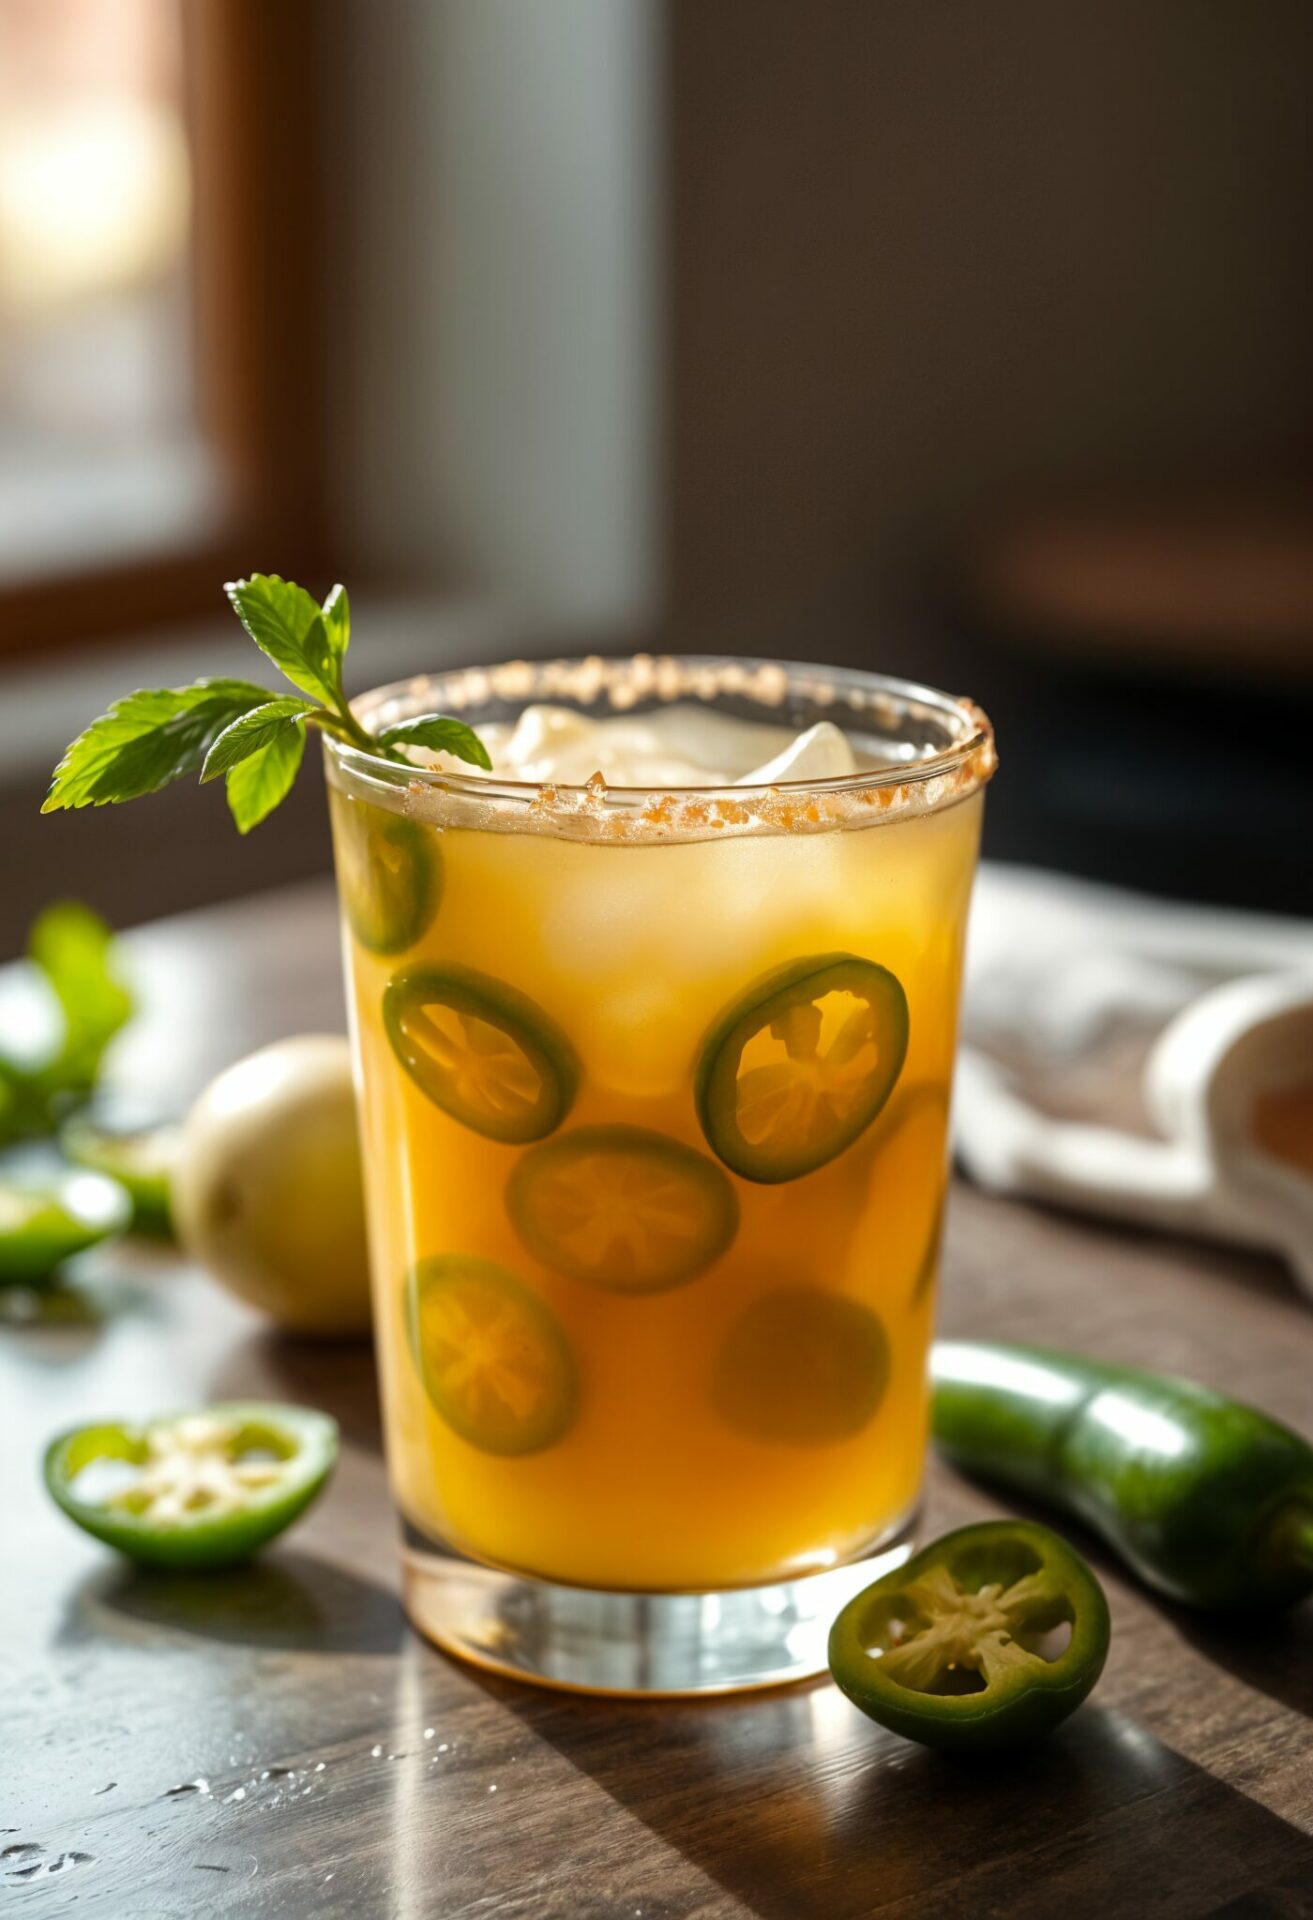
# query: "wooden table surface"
[[279, 1742]]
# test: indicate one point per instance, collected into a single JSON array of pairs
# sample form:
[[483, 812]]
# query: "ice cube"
[[822, 753]]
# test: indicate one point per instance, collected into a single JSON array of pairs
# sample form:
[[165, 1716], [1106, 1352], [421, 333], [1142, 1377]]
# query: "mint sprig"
[[235, 728]]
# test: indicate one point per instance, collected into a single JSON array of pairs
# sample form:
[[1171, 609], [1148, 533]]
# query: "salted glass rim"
[[616, 687]]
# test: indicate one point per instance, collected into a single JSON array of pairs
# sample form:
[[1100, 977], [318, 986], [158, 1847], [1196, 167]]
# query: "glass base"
[[590, 1641]]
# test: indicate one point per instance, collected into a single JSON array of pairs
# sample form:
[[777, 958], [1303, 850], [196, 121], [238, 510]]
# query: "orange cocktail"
[[654, 1100]]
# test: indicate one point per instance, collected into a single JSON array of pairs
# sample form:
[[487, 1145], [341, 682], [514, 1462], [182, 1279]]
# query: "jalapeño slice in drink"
[[389, 873], [483, 1052], [802, 1368], [622, 1208], [905, 1189], [799, 1067], [491, 1354]]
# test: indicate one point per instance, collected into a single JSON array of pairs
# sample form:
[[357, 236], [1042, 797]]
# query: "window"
[[157, 315]]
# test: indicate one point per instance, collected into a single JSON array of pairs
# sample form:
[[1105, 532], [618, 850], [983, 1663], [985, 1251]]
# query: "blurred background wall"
[[972, 342]]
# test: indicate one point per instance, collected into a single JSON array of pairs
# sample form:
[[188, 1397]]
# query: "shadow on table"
[[337, 1375], [60, 1322], [1272, 1654], [286, 1601], [802, 1811]]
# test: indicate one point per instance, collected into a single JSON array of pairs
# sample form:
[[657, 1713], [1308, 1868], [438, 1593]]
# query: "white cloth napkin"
[[1053, 963]]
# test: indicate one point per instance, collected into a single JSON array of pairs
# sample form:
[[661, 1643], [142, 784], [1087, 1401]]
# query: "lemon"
[[267, 1192]]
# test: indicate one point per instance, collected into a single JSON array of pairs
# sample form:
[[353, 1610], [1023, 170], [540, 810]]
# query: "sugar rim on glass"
[[923, 781]]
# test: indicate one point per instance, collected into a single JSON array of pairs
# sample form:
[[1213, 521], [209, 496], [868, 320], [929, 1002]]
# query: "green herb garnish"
[[72, 951], [237, 729]]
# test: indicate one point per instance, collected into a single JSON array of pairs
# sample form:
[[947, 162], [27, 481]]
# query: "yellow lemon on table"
[[267, 1192]]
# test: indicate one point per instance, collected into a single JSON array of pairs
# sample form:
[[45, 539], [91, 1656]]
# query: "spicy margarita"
[[654, 1103]]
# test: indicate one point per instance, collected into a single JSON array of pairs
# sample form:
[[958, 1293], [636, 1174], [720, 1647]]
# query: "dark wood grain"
[[278, 1742]]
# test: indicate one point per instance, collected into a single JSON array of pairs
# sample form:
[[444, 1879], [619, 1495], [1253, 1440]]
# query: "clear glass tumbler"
[[654, 1094]]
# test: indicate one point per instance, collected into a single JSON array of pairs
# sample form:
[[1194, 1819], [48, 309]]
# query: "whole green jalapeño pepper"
[[1210, 1501], [986, 1639]]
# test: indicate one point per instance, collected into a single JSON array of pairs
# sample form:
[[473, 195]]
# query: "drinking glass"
[[654, 1090]]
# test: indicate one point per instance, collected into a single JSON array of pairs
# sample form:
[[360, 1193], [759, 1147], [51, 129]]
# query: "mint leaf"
[[443, 735], [235, 728], [146, 740], [285, 624], [74, 949], [254, 730], [337, 621], [257, 784], [319, 654]]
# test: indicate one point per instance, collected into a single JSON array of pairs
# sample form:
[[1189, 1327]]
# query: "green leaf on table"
[[146, 740], [285, 623], [259, 728], [74, 949], [337, 621], [442, 734], [16, 1101], [257, 784]]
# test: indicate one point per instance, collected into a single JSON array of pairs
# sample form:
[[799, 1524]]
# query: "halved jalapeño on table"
[[802, 1368], [491, 1354], [483, 1052], [987, 1638], [389, 874], [197, 1491], [622, 1208], [800, 1066]]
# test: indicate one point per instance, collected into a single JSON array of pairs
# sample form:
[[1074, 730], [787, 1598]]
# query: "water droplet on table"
[[70, 1859]]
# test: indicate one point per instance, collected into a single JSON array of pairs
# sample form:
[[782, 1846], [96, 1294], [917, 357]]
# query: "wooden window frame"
[[252, 81]]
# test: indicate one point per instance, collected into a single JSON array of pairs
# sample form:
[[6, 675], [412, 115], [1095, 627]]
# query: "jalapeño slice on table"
[[491, 1354], [390, 875], [802, 1368], [193, 1491], [987, 1638], [622, 1208], [42, 1226], [483, 1052], [798, 1067], [141, 1159]]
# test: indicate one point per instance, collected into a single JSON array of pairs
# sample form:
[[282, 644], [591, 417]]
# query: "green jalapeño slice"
[[390, 875], [802, 1368], [909, 1150], [141, 1159], [483, 1052], [988, 1638], [622, 1208], [41, 1227], [193, 1491], [491, 1354], [801, 1065]]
